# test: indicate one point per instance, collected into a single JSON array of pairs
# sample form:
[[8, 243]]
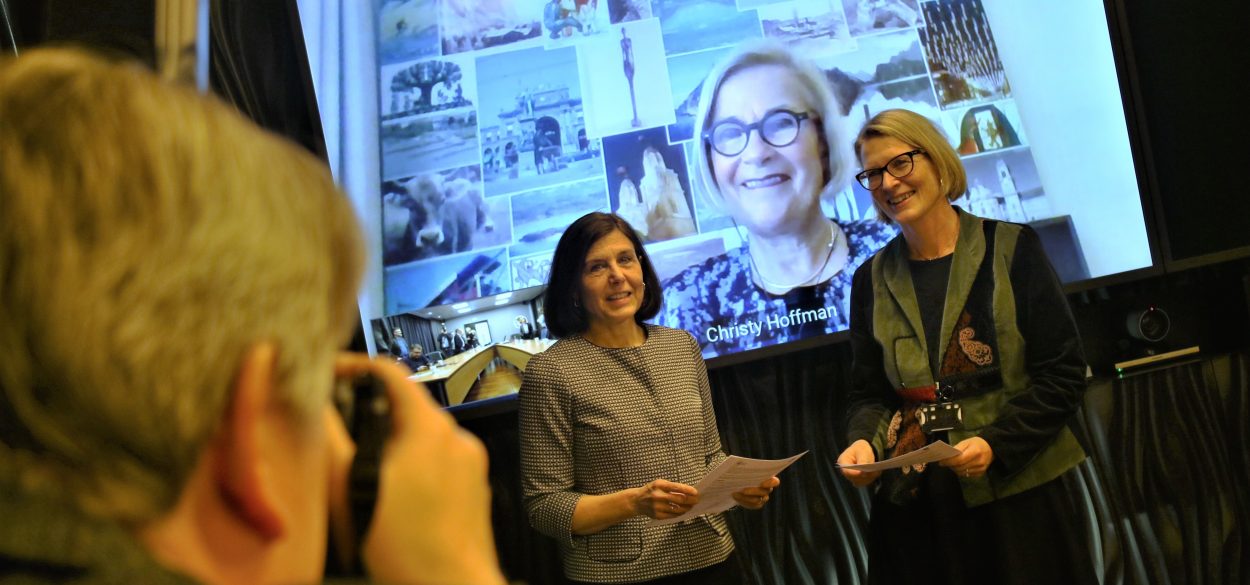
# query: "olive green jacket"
[[1002, 297]]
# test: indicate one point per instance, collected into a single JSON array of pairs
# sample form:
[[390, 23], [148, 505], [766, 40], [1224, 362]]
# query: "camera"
[[1150, 325], [363, 404]]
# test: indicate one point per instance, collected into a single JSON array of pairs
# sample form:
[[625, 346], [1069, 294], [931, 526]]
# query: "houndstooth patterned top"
[[597, 420]]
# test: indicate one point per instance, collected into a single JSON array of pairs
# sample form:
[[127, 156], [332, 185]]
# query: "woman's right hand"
[[858, 453], [662, 499]]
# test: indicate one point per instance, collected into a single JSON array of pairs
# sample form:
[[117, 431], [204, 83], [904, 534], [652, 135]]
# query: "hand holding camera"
[[431, 521]]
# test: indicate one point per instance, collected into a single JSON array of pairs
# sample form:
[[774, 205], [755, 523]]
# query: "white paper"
[[732, 475], [927, 454]]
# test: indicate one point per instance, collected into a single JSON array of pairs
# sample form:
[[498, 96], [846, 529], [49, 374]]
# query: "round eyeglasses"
[[898, 167], [778, 128]]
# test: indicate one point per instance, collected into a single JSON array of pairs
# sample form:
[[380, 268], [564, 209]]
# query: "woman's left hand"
[[973, 460], [754, 498]]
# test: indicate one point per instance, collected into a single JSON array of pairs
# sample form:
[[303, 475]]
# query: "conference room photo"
[[734, 292]]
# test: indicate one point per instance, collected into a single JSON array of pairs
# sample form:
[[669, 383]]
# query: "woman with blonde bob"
[[961, 333], [769, 151]]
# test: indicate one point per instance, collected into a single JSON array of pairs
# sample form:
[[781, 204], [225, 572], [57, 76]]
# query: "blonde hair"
[[815, 92], [148, 237], [918, 131]]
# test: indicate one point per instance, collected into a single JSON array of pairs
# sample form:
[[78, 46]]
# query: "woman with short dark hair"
[[617, 424]]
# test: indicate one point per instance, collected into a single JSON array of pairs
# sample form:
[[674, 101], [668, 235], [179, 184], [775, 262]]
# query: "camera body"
[[363, 404], [370, 426]]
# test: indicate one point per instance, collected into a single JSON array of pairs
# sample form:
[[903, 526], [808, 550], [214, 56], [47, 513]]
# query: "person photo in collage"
[[650, 188], [744, 205]]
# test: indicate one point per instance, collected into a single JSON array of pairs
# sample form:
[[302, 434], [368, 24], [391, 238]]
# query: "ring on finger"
[[672, 506]]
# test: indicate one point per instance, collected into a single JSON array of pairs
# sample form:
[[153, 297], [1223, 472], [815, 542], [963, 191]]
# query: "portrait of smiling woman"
[[771, 148], [961, 315], [617, 424]]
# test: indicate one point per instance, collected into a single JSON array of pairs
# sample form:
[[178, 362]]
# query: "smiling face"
[[910, 198], [612, 282], [770, 190]]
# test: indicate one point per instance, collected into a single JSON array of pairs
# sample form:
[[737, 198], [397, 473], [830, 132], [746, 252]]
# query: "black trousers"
[[1034, 537]]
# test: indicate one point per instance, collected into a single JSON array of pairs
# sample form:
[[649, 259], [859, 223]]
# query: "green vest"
[[898, 329]]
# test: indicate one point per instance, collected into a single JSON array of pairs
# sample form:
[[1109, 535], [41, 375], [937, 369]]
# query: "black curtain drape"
[[1163, 492], [1169, 472], [416, 331], [812, 530]]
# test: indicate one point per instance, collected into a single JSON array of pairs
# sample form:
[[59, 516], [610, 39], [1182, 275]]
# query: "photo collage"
[[502, 121]]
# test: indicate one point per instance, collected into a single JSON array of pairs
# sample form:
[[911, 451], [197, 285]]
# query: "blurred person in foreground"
[[961, 333], [617, 424], [129, 209]]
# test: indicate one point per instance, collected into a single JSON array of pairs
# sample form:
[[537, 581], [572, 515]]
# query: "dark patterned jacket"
[[596, 421], [1010, 348], [46, 540], [718, 302]]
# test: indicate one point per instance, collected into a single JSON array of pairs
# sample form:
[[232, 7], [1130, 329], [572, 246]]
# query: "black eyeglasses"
[[778, 128], [898, 167]]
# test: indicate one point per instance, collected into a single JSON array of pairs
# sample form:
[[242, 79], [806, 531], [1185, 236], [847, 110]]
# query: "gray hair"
[[150, 236], [816, 92]]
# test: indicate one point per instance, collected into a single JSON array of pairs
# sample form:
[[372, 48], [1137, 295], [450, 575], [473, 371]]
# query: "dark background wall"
[[1187, 64], [125, 26]]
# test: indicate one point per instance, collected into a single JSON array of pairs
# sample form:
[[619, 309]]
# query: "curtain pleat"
[[813, 529], [1177, 453], [525, 555], [416, 330], [1163, 494]]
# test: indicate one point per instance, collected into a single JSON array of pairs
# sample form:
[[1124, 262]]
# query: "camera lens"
[[1152, 324]]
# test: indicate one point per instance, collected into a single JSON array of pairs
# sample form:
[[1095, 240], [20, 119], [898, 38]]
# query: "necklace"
[[922, 258], [773, 285]]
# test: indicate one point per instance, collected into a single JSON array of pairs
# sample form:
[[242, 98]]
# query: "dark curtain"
[[1168, 472], [416, 331], [812, 530], [259, 64], [525, 555], [1164, 491]]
